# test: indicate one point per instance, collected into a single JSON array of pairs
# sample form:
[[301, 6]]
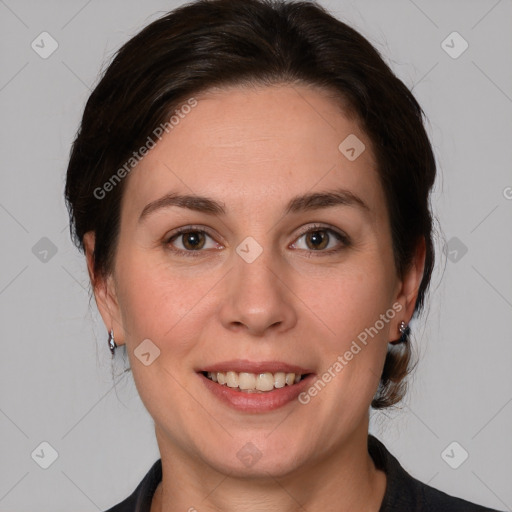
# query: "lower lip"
[[257, 402]]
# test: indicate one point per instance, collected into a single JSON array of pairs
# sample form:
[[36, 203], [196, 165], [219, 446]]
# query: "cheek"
[[357, 309], [162, 305], [354, 298], [158, 300]]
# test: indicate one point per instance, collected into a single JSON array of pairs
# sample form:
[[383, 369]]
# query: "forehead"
[[260, 145]]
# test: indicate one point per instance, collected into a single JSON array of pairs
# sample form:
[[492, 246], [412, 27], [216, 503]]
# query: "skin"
[[254, 149]]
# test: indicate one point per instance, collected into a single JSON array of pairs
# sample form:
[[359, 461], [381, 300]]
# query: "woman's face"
[[249, 284]]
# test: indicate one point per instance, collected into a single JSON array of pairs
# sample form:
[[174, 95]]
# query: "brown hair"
[[209, 43]]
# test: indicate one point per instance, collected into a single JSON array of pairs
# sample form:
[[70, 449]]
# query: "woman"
[[250, 185]]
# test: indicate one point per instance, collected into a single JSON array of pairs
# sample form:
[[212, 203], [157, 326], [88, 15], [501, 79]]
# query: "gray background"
[[56, 375]]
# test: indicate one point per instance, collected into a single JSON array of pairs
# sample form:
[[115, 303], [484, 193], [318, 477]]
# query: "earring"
[[404, 334], [404, 331], [111, 342]]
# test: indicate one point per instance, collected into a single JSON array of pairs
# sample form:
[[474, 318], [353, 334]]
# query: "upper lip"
[[243, 365]]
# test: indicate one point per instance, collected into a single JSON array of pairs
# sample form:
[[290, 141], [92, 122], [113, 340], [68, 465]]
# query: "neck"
[[347, 477]]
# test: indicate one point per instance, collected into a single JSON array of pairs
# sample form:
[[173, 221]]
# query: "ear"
[[410, 283], [104, 293]]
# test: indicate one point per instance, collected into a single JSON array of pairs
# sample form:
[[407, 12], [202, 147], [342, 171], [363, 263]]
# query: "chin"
[[257, 457]]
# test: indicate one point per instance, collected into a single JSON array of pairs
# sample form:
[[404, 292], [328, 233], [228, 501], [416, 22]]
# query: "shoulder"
[[438, 500], [406, 493], [141, 497]]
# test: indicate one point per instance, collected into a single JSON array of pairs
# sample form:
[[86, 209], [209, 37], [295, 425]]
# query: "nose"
[[258, 297]]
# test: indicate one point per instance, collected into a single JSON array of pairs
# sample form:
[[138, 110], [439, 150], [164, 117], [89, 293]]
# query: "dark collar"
[[401, 488]]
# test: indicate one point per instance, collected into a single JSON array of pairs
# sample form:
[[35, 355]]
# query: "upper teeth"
[[252, 381]]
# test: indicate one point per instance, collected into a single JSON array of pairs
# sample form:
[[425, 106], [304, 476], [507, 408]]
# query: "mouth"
[[261, 382], [266, 388]]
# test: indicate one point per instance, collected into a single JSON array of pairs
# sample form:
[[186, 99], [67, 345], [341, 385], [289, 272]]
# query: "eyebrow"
[[301, 203]]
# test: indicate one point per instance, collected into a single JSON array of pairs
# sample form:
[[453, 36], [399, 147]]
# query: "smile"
[[255, 386], [254, 382]]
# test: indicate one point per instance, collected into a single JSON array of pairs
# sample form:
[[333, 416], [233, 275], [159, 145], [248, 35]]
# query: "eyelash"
[[341, 237]]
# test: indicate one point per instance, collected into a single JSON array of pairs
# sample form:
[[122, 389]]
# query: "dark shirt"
[[403, 492]]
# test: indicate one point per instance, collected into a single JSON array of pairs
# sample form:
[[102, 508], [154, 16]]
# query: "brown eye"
[[193, 240], [321, 240], [316, 240]]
